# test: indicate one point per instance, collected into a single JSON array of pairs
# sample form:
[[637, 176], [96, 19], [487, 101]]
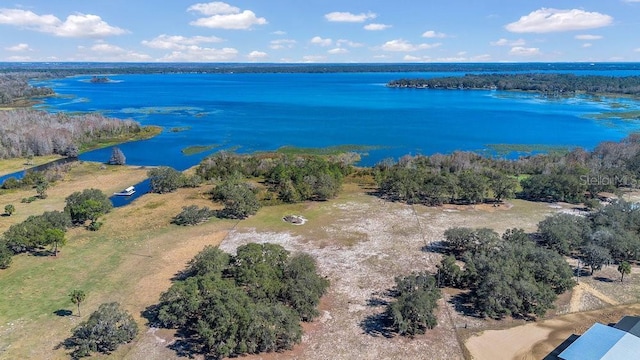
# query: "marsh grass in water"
[[330, 150], [197, 149], [624, 115], [506, 149]]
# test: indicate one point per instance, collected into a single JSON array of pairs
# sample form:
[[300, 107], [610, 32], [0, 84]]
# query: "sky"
[[320, 31]]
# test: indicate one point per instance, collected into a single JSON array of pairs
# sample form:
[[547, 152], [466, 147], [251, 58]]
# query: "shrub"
[[9, 209], [89, 204], [193, 215], [412, 311], [11, 183], [104, 331], [165, 179], [238, 198], [5, 255]]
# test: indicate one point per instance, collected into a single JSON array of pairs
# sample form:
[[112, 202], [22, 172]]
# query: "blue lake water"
[[262, 112]]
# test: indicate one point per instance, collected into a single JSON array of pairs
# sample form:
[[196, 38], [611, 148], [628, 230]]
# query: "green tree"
[[41, 188], [211, 260], [5, 255], [31, 233], [54, 237], [249, 303], [105, 330], [77, 297], [412, 311], [502, 186], [192, 215], [449, 273], [564, 232], [89, 204], [595, 256], [473, 187], [238, 198], [259, 268], [9, 209], [624, 269], [302, 286], [165, 179]]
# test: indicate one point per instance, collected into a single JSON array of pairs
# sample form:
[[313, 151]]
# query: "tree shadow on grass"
[[603, 279], [438, 247], [377, 325], [182, 345], [63, 312], [463, 305]]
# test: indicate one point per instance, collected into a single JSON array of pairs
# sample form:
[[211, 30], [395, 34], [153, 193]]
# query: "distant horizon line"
[[319, 63]]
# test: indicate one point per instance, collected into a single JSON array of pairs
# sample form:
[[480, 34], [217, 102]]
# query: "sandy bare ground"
[[366, 244], [537, 340]]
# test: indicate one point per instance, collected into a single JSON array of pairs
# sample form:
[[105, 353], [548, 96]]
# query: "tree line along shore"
[[548, 84], [26, 132]]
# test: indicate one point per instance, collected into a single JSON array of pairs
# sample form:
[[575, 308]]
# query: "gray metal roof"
[[603, 342], [630, 324]]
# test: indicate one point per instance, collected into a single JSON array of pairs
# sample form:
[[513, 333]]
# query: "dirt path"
[[580, 290]]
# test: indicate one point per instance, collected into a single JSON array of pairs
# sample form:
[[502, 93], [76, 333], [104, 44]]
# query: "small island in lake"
[[100, 80], [548, 84]]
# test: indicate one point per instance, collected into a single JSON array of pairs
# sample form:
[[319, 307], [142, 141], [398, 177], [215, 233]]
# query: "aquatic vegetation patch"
[[197, 149], [624, 115], [506, 149], [329, 150], [162, 110]]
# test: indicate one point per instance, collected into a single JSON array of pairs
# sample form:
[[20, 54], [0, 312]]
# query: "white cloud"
[[224, 16], [587, 45], [19, 48], [505, 42], [320, 41], [403, 45], [433, 34], [18, 58], [338, 51], [337, 16], [524, 51], [282, 44], [637, 50], [214, 8], [257, 55], [481, 58], [77, 25], [279, 33], [376, 27], [343, 42], [108, 52], [314, 58], [411, 58], [177, 42], [199, 54], [548, 20], [588, 37]]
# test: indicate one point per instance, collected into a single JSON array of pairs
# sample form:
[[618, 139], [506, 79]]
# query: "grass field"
[[360, 242], [9, 166]]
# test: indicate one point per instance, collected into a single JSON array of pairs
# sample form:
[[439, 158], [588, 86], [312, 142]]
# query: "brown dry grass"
[[130, 260], [8, 166]]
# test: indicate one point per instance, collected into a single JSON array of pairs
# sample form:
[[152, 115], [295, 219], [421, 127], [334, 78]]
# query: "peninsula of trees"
[[548, 84]]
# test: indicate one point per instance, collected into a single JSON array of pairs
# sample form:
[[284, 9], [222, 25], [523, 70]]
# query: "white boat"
[[126, 192]]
